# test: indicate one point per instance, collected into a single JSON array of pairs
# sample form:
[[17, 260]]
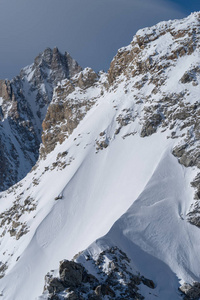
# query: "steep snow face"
[[114, 163], [155, 234], [93, 187], [163, 64], [23, 106]]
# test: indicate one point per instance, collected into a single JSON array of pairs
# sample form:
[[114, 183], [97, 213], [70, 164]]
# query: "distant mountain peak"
[[24, 102]]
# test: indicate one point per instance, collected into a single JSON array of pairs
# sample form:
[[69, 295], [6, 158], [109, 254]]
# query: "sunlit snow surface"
[[162, 245], [96, 189]]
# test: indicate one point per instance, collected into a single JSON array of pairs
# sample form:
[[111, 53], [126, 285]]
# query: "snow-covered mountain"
[[24, 102], [117, 175]]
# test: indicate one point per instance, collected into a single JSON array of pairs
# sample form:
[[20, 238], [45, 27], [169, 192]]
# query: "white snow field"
[[96, 189], [153, 232]]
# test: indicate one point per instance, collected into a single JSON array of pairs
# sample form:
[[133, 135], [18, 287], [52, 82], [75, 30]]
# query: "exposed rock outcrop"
[[114, 279], [131, 61], [191, 292], [65, 111]]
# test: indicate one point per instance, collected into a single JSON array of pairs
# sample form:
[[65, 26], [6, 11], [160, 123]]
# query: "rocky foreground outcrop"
[[112, 278], [191, 291]]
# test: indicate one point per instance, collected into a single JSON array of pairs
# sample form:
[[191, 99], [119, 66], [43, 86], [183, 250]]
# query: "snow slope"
[[154, 233], [96, 189]]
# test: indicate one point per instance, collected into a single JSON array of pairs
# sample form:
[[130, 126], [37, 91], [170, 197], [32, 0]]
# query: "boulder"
[[55, 285], [71, 273]]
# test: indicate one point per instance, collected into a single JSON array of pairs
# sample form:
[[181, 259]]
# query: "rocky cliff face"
[[142, 57], [66, 110], [24, 102]]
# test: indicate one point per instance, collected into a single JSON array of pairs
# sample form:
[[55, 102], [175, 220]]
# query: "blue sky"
[[90, 30], [187, 5]]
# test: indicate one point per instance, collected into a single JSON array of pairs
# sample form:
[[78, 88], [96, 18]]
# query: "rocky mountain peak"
[[152, 45], [45, 56], [53, 66], [54, 60], [24, 103]]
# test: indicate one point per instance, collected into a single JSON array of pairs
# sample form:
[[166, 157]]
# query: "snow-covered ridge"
[[115, 173], [157, 47], [190, 22], [164, 62]]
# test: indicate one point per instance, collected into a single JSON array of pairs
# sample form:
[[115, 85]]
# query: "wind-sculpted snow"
[[119, 154], [155, 234]]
